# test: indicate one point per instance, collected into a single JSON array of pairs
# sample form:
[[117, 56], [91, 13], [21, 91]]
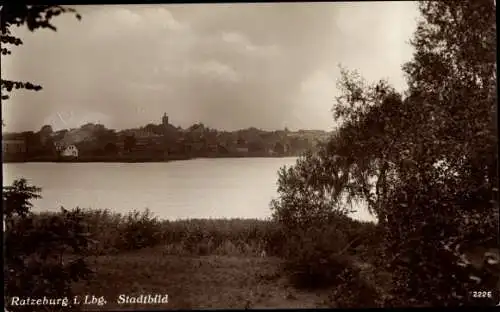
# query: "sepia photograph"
[[262, 155]]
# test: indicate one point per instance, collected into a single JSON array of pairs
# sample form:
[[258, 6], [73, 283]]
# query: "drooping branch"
[[34, 17]]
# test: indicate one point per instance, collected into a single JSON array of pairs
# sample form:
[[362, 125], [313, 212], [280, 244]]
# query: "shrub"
[[44, 254], [425, 161], [314, 257], [354, 291], [112, 232], [104, 228], [139, 230], [274, 239]]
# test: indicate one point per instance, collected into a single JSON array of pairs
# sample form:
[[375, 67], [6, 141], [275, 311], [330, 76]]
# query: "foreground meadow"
[[207, 263], [210, 281]]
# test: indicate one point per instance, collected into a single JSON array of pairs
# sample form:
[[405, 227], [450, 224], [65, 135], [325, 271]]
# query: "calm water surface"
[[200, 188]]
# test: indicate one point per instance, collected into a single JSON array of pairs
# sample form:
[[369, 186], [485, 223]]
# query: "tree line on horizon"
[[155, 139]]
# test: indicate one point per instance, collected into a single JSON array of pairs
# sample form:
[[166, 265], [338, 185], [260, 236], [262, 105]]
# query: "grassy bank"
[[112, 232], [207, 263]]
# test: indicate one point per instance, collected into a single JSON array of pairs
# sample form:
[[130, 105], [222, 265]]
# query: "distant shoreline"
[[97, 159]]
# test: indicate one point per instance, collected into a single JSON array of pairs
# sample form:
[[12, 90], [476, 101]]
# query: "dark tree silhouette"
[[279, 148], [425, 162], [129, 143], [34, 17], [36, 247], [110, 149]]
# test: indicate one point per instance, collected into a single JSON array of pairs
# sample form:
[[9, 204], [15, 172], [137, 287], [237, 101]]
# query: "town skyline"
[[154, 142], [159, 121], [123, 65]]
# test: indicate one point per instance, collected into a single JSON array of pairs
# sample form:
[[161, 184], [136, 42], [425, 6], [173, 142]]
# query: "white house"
[[70, 151]]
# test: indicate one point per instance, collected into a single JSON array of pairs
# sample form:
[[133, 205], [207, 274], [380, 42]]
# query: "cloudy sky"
[[229, 66]]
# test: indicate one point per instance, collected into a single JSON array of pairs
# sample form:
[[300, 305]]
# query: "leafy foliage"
[[140, 230], [45, 254], [34, 17], [354, 291], [129, 143], [17, 199], [424, 162], [113, 232], [453, 76], [312, 259]]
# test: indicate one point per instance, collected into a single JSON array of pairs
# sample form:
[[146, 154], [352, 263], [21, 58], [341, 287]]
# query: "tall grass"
[[316, 258], [113, 232]]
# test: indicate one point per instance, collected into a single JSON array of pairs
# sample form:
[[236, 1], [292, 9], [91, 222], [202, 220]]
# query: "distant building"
[[60, 146], [213, 147], [151, 141], [142, 133], [164, 121], [13, 147], [242, 149], [197, 146], [70, 151]]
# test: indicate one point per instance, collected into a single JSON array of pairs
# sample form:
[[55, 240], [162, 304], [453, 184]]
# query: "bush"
[[425, 161], [315, 258], [274, 240], [113, 232], [139, 230], [318, 237], [354, 291], [44, 254]]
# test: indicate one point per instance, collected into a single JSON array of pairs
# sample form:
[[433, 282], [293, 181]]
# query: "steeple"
[[165, 120]]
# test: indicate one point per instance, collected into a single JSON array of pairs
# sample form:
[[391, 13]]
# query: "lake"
[[199, 188]]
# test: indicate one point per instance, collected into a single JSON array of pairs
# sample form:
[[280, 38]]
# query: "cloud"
[[215, 70], [163, 18], [244, 44], [377, 44], [124, 16], [265, 65], [138, 18], [315, 90], [209, 70]]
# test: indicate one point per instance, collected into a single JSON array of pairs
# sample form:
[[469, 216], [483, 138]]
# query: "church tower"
[[165, 120]]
